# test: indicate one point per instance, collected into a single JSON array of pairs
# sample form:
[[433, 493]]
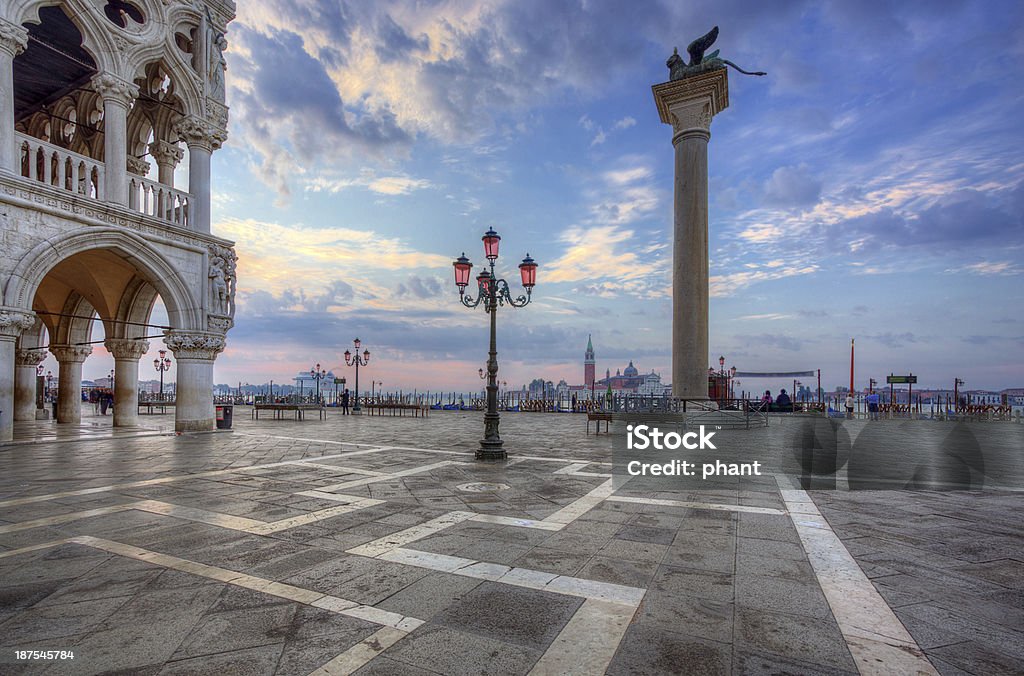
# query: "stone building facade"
[[100, 100]]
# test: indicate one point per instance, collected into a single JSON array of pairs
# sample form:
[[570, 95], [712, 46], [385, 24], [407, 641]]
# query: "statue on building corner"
[[699, 63]]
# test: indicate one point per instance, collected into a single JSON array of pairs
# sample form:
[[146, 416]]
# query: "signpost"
[[909, 380]]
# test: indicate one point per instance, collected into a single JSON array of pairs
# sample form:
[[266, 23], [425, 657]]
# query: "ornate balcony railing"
[[59, 167], [158, 200]]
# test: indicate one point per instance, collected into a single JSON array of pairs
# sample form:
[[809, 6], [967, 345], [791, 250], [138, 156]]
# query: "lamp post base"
[[491, 449]]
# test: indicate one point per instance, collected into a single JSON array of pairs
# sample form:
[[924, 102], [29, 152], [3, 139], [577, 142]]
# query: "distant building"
[[589, 366]]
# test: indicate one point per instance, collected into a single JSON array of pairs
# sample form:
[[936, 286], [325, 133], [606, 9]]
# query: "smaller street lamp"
[[357, 360], [162, 364], [317, 374]]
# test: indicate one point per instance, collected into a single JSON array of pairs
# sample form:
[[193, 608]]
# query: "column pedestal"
[[12, 323], [126, 355], [26, 382], [195, 353], [69, 381], [689, 104]]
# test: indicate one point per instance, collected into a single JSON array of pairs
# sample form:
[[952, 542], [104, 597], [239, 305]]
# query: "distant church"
[[628, 380]]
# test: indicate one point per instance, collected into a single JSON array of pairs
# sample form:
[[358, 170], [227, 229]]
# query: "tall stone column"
[[117, 96], [202, 138], [126, 355], [688, 104], [193, 400], [13, 41], [12, 323], [69, 381], [167, 156], [25, 382]]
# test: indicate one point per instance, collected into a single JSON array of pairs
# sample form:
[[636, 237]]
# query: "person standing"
[[344, 402], [872, 400], [850, 402]]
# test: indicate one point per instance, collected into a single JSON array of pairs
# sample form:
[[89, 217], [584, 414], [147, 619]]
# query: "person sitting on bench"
[[782, 402]]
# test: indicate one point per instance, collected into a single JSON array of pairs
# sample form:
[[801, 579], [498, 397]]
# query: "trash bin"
[[224, 414]]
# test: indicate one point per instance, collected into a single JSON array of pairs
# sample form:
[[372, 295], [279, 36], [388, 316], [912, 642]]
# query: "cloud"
[[382, 185], [771, 316], [730, 283], [989, 268], [624, 123], [792, 187]]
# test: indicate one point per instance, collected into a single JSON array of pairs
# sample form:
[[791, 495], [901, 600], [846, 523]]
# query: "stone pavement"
[[378, 546]]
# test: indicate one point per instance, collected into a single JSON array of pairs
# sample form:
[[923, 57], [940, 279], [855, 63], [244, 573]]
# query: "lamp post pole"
[[317, 374], [162, 364], [357, 360], [493, 292]]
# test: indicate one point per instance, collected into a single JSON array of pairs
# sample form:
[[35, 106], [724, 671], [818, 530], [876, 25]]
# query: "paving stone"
[[649, 650], [792, 636], [697, 617], [430, 595], [383, 666], [703, 584], [765, 664], [618, 571], [444, 650], [383, 580], [633, 551], [552, 561], [637, 533], [255, 661], [977, 658], [43, 623], [781, 595]]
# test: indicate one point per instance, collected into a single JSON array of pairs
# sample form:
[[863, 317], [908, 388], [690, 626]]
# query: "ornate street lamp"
[[317, 374], [493, 292], [357, 360], [162, 364]]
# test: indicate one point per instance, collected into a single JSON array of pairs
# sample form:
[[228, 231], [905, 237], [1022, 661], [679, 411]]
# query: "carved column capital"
[[195, 131], [137, 166], [114, 89], [14, 322], [71, 353], [13, 39], [690, 118], [165, 153], [29, 357], [689, 103], [123, 348], [198, 345]]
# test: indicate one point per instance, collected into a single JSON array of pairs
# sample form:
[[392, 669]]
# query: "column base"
[[491, 449], [42, 414], [194, 425]]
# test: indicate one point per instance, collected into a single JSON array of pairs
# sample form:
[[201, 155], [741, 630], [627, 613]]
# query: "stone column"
[[193, 400], [117, 96], [167, 156], [688, 105], [126, 355], [202, 138], [25, 382], [69, 381], [12, 323], [13, 41]]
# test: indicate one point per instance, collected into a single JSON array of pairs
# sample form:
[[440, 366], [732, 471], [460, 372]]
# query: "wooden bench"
[[396, 409], [279, 409], [150, 405], [599, 417]]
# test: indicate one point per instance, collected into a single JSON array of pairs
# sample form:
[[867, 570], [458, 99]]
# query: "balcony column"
[[26, 382], [69, 382], [13, 41], [195, 352], [117, 96], [167, 156], [13, 322], [202, 138], [126, 378]]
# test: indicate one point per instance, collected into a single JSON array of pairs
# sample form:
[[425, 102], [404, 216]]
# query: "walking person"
[[344, 402], [94, 399], [103, 401], [850, 402]]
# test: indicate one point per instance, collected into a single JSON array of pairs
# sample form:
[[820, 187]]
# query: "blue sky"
[[869, 186]]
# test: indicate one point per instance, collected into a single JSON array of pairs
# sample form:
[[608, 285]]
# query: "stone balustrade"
[[59, 167], [158, 200]]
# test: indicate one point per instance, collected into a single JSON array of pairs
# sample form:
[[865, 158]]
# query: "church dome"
[[631, 371]]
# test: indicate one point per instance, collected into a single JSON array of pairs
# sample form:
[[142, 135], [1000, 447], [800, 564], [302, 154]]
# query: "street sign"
[[339, 381], [901, 380]]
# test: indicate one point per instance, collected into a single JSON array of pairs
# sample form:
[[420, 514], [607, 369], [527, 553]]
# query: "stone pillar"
[[117, 96], [26, 382], [167, 156], [13, 41], [193, 400], [202, 138], [12, 323], [688, 104], [126, 355], [69, 382]]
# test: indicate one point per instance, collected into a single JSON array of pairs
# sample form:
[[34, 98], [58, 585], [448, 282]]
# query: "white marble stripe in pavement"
[[385, 544], [587, 643], [308, 597], [65, 518], [878, 641], [358, 655], [574, 510], [385, 477], [170, 479], [513, 521], [696, 505]]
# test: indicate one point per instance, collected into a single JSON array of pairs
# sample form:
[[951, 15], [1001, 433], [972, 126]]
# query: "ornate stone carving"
[[112, 88], [217, 65], [70, 353], [690, 116], [29, 357], [221, 274], [219, 324], [196, 131], [137, 166], [123, 348], [15, 322], [166, 153], [13, 39], [195, 345]]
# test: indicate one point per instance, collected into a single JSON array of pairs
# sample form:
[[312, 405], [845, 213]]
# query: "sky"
[[870, 186]]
